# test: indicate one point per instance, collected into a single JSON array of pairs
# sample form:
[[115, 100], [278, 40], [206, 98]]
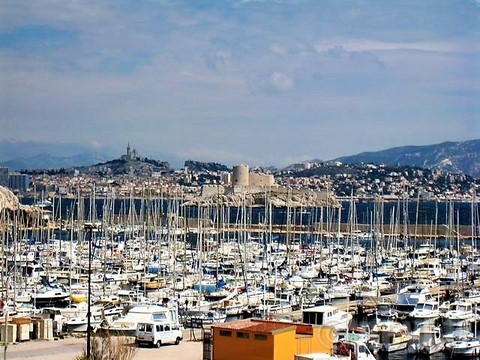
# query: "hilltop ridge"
[[453, 157]]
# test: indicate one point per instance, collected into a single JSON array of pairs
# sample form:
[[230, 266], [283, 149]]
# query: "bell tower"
[[129, 152]]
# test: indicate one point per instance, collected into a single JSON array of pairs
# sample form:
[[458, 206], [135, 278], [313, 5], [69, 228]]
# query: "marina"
[[163, 264]]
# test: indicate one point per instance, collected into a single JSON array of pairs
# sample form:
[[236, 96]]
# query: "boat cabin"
[[327, 315]]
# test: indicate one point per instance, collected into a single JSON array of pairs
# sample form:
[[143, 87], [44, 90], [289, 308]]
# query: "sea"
[[405, 212], [408, 211]]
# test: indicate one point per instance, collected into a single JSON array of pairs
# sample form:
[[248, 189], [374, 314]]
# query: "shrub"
[[107, 347]]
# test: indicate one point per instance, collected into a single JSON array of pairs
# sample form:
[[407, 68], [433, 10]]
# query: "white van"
[[158, 334]]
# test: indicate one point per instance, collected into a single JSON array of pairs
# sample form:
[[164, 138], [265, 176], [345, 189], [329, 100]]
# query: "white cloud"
[[352, 44], [95, 144], [279, 49], [281, 81]]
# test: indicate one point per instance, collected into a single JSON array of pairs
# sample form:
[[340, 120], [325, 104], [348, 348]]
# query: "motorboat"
[[273, 306], [409, 296], [425, 312], [468, 346], [389, 336], [428, 341], [198, 318], [297, 281], [49, 296], [459, 314], [327, 315], [385, 312], [340, 291], [308, 272], [457, 334], [80, 323], [78, 297], [232, 307]]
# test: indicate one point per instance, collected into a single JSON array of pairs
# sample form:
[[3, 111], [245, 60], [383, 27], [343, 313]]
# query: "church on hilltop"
[[131, 155]]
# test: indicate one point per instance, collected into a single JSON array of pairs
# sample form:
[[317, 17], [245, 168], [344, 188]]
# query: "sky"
[[261, 82]]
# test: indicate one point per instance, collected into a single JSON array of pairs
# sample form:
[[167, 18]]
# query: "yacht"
[[386, 312], [273, 306], [327, 315], [409, 296], [389, 336], [457, 334], [425, 312], [253, 297], [79, 323], [308, 272], [429, 341], [459, 314], [232, 307], [199, 318], [468, 346], [49, 296]]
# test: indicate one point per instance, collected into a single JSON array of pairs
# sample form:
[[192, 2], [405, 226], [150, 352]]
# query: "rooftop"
[[266, 326]]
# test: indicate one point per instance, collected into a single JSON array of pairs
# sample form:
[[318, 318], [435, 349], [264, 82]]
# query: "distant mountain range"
[[33, 155], [456, 157], [19, 155], [46, 161]]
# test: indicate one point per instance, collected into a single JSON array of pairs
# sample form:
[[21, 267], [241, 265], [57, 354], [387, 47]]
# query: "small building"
[[3, 176], [19, 181], [256, 339]]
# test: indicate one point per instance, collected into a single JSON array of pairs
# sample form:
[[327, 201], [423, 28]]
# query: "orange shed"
[[269, 340]]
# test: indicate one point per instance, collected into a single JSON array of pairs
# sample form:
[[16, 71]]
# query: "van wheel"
[[159, 343], [177, 341]]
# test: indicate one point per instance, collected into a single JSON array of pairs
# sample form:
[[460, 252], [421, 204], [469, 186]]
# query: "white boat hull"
[[459, 322], [391, 347], [470, 347], [430, 349], [81, 326]]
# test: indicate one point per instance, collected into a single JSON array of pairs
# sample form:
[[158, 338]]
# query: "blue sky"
[[262, 82]]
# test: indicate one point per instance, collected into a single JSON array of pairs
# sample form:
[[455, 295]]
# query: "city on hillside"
[[134, 175]]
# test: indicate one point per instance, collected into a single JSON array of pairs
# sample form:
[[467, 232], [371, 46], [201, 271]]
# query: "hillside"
[[198, 166], [137, 167], [455, 157]]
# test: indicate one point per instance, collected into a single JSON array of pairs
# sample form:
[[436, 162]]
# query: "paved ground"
[[69, 348]]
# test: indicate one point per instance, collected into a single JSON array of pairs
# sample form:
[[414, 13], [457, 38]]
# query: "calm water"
[[427, 212]]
